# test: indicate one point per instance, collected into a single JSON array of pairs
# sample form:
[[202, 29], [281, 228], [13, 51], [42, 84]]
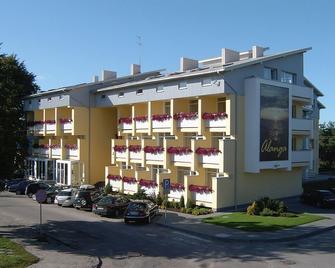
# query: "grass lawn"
[[14, 255], [242, 221]]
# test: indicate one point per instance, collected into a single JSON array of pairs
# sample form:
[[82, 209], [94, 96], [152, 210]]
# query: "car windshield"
[[137, 206], [65, 193], [83, 194], [106, 200]]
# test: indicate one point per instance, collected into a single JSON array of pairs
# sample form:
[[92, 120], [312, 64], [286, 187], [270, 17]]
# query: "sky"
[[66, 42]]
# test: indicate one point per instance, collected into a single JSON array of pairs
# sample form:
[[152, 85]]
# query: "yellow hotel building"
[[224, 130]]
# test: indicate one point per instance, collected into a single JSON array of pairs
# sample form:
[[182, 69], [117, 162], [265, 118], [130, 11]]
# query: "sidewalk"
[[192, 225]]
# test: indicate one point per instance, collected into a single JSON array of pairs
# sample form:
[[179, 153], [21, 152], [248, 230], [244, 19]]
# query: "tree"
[[327, 145], [15, 83]]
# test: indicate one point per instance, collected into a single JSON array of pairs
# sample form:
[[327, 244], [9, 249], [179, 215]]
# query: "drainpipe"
[[235, 130]]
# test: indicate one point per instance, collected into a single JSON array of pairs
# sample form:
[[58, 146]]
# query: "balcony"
[[154, 154], [50, 126], [161, 123], [141, 124], [177, 190], [201, 194], [181, 156], [210, 157], [301, 156], [302, 124], [44, 152], [187, 120], [125, 124], [215, 121], [72, 151], [135, 153], [56, 151], [66, 125], [130, 185], [39, 128]]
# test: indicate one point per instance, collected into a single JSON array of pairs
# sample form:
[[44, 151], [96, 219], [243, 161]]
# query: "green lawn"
[[14, 255], [242, 221]]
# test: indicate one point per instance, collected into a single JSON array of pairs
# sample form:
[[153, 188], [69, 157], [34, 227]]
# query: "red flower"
[[148, 183], [134, 148], [200, 189], [187, 116], [129, 179], [153, 149], [207, 151], [65, 120], [214, 116], [38, 122], [114, 177], [126, 120], [179, 150], [177, 187], [55, 146], [71, 146], [44, 146], [141, 118], [120, 148], [161, 117], [30, 123], [50, 122]]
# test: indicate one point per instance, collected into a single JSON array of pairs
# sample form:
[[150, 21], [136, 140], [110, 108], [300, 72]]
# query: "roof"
[[206, 70], [321, 106], [309, 84]]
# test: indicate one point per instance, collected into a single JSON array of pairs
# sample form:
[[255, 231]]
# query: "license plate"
[[100, 208]]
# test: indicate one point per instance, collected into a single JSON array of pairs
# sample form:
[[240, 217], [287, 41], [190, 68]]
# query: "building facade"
[[225, 130]]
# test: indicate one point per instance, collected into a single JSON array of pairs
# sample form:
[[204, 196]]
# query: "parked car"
[[84, 199], [51, 192], [12, 182], [140, 210], [66, 197], [13, 187], [32, 188], [111, 205], [21, 186], [319, 198]]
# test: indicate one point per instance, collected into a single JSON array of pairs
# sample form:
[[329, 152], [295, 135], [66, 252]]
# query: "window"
[[289, 78], [216, 136], [160, 89], [221, 105], [124, 165], [270, 73], [167, 107], [49, 98], [61, 97], [181, 172], [156, 169], [182, 85], [139, 92], [121, 95], [188, 137], [294, 111], [39, 100], [193, 105], [206, 82], [294, 143], [29, 101], [210, 173]]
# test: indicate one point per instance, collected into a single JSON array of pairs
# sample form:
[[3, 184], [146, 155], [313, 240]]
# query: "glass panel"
[[167, 107], [181, 172], [193, 106], [221, 105]]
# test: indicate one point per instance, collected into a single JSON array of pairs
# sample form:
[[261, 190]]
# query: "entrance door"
[[62, 172]]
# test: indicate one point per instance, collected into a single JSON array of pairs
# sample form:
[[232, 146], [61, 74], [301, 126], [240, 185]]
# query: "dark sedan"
[[21, 187], [85, 199], [32, 188], [12, 182], [140, 210], [111, 205], [319, 198]]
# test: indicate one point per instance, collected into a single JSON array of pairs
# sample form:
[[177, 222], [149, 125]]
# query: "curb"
[[249, 240]]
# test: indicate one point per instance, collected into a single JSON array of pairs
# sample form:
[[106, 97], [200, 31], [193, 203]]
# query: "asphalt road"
[[82, 239]]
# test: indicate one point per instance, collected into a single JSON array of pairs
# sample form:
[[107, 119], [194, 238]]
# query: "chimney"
[[135, 69], [228, 55], [95, 78], [107, 75], [188, 64], [257, 51]]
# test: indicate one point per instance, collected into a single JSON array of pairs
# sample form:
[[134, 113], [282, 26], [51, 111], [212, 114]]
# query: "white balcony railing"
[[166, 124], [72, 153], [125, 126], [67, 127], [116, 185], [38, 129], [213, 159], [56, 152], [121, 155], [301, 156], [51, 127], [130, 187], [216, 123], [141, 125], [302, 124], [135, 155], [176, 194], [154, 157], [188, 123], [183, 158], [44, 152], [203, 197]]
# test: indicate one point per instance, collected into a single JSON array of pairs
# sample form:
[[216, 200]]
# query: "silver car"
[[66, 197]]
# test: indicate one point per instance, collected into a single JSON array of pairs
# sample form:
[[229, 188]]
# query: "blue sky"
[[66, 42]]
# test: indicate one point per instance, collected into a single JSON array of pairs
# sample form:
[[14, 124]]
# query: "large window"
[[193, 106], [167, 107], [221, 105], [289, 78], [270, 73], [181, 172]]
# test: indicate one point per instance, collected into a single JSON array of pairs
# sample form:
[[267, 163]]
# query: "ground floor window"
[[210, 173], [181, 172]]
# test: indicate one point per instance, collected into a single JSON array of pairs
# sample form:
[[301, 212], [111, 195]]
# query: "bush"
[[159, 200], [183, 210], [190, 203], [268, 212], [251, 210], [189, 210], [258, 207], [182, 202], [196, 211], [141, 195], [108, 189]]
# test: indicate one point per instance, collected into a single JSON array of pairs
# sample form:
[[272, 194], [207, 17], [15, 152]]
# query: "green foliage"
[[108, 189], [189, 210], [190, 203], [15, 83], [182, 202], [251, 210], [140, 195], [159, 200], [268, 212], [183, 210], [327, 145], [267, 207]]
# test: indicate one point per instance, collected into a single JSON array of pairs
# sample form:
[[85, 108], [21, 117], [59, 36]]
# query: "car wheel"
[[126, 221], [49, 201], [30, 195], [59, 204], [149, 219]]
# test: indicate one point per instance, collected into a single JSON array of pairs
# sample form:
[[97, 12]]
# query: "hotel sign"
[[274, 123]]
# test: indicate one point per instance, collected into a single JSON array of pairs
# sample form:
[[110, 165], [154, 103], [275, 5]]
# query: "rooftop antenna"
[[139, 43]]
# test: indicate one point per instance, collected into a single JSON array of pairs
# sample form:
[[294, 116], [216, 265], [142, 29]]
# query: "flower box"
[[135, 155], [184, 158], [129, 180], [207, 151], [200, 189], [179, 150], [129, 185], [72, 153], [214, 116], [116, 184], [134, 148], [154, 156], [177, 186], [202, 197], [39, 127], [114, 177], [44, 152], [187, 120], [176, 194], [55, 150], [153, 149], [140, 125], [148, 183], [120, 148], [213, 159], [125, 123], [216, 123], [121, 155], [188, 116], [51, 127], [167, 124], [66, 124]]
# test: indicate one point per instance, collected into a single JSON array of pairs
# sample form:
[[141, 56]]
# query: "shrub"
[[183, 210], [140, 195], [204, 211], [108, 189], [268, 212], [173, 204], [159, 200], [196, 211], [190, 203], [182, 202], [258, 207], [251, 210], [189, 210]]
